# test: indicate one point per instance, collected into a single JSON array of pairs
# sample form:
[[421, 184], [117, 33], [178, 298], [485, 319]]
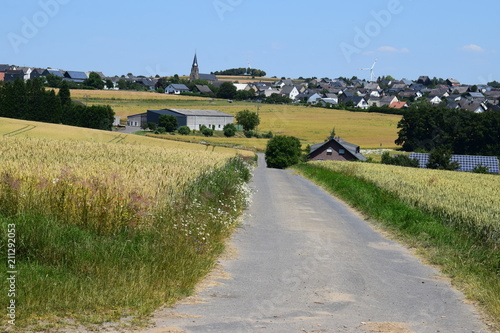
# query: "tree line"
[[30, 101], [425, 127], [241, 71]]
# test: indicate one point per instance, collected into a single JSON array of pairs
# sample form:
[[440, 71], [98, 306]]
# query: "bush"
[[168, 122], [440, 158], [283, 151], [184, 130], [160, 130], [401, 160], [268, 135], [481, 169], [207, 131], [229, 130], [249, 134]]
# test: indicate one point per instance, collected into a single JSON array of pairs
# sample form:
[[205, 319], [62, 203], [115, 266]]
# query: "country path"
[[305, 262]]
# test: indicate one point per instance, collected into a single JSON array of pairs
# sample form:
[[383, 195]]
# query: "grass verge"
[[472, 264], [70, 275]]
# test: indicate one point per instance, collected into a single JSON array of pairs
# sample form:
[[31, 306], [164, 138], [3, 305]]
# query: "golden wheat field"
[[310, 124], [32, 129], [88, 182], [471, 200]]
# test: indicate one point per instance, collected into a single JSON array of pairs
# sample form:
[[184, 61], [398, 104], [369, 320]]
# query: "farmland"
[[309, 124], [31, 129], [472, 205], [147, 220]]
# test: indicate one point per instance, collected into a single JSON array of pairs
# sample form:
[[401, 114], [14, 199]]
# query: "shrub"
[[481, 169], [268, 135], [401, 160], [440, 158], [160, 130], [229, 130], [249, 134], [283, 151], [207, 131], [184, 130], [168, 122]]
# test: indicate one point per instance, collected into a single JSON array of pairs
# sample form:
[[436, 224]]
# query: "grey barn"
[[194, 119]]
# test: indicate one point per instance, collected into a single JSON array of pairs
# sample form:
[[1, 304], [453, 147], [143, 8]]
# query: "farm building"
[[137, 120], [194, 118], [335, 149]]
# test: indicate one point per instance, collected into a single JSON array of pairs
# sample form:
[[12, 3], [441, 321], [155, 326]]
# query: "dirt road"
[[305, 262]]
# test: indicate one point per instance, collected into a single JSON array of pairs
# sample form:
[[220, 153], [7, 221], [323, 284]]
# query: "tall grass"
[[104, 232], [468, 256]]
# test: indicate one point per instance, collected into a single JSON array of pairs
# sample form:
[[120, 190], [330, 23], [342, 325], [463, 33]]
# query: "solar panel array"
[[466, 162]]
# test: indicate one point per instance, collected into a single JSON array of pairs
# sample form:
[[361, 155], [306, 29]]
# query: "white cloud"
[[473, 48], [393, 49]]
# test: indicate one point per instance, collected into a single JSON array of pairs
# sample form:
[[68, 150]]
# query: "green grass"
[[472, 265], [70, 274]]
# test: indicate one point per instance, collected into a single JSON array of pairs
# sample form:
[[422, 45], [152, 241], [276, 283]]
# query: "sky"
[[318, 38]]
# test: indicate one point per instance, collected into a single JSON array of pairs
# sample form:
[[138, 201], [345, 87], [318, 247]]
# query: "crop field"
[[309, 124], [470, 201], [31, 129], [106, 230]]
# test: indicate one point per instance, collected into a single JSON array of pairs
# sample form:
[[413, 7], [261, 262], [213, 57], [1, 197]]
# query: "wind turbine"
[[372, 74]]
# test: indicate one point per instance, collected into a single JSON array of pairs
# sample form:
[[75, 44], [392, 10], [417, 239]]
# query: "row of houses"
[[10, 73], [396, 93]]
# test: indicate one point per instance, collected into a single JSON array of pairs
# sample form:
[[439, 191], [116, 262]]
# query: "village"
[[339, 92]]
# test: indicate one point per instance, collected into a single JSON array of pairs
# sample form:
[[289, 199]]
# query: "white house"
[[176, 89], [241, 86], [290, 92], [314, 98], [435, 100]]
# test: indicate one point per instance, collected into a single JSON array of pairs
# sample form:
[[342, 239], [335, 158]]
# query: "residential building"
[[176, 89], [335, 149]]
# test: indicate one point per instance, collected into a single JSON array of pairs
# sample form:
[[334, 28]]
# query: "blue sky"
[[448, 39]]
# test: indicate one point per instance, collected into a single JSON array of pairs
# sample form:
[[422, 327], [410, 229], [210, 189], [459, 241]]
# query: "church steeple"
[[195, 71], [195, 61]]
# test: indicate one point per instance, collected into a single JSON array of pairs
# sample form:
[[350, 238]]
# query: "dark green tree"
[[110, 84], [184, 130], [168, 122], [242, 95], [401, 160], [207, 131], [94, 81], [249, 120], [277, 99], [440, 158], [283, 151], [227, 90], [229, 130], [54, 81]]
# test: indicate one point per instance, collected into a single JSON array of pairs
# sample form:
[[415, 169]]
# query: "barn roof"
[[190, 112], [352, 148]]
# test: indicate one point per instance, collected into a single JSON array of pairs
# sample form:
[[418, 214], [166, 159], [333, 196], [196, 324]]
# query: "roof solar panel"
[[466, 162]]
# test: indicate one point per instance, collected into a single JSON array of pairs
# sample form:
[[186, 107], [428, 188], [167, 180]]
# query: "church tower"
[[195, 71]]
